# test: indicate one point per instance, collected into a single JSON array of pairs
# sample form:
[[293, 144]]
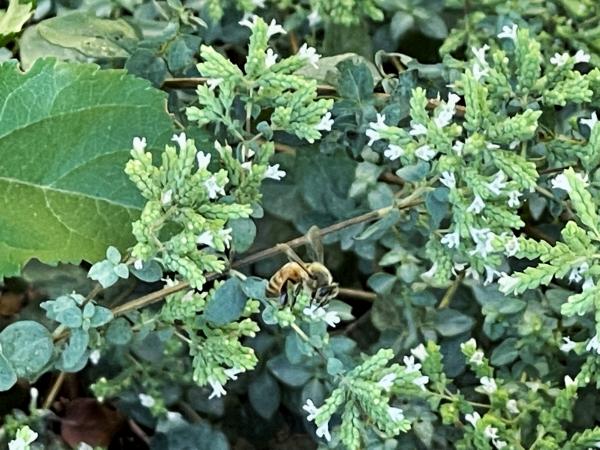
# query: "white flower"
[[575, 275], [248, 21], [431, 272], [326, 123], [375, 128], [560, 59], [490, 432], [206, 238], [480, 54], [181, 140], [396, 414], [393, 152], [313, 18], [259, 3], [409, 363], [451, 240], [490, 274], [24, 437], [568, 344], [425, 152], [225, 236], [446, 111], [483, 241], [166, 197], [471, 344], [569, 381], [492, 146], [498, 183], [34, 394], [514, 144], [139, 144], [213, 188], [84, 446], [509, 32], [323, 431], [457, 268], [488, 385], [448, 179], [173, 416], [417, 129], [476, 358], [420, 352], [213, 83], [274, 29], [479, 72], [95, 356], [147, 400], [513, 199], [511, 246], [311, 409], [270, 58], [274, 173], [421, 381], [310, 54], [591, 122], [512, 407], [473, 418], [476, 205], [499, 444], [217, 388], [247, 165], [581, 57], [593, 344], [233, 372], [508, 284], [458, 147], [588, 283], [387, 381], [203, 160], [138, 264], [561, 182], [332, 318]]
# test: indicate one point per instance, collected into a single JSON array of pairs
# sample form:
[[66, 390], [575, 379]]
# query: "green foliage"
[[52, 206], [431, 179]]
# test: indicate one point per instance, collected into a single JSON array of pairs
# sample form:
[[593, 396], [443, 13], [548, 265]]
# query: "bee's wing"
[[292, 255], [315, 248]]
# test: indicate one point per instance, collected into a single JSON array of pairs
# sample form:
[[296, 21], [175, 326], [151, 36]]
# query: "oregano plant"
[[299, 224]]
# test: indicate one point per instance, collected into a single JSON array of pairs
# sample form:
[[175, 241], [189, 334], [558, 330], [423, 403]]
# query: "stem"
[[451, 291], [357, 294], [54, 390]]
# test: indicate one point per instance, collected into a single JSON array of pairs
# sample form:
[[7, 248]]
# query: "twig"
[[54, 390], [138, 431], [322, 89], [447, 298], [357, 294], [156, 296]]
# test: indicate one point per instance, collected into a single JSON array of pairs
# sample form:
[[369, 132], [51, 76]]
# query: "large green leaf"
[[65, 134], [13, 19]]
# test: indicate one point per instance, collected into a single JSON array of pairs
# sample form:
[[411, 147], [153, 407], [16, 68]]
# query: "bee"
[[313, 277]]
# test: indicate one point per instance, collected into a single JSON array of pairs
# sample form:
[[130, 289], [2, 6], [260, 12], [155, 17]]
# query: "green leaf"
[[288, 373], [65, 195], [150, 271], [227, 303], [90, 35], [264, 395], [8, 377], [13, 19], [505, 353], [119, 332], [74, 351], [28, 346], [243, 233], [449, 322], [433, 26], [355, 81], [101, 316]]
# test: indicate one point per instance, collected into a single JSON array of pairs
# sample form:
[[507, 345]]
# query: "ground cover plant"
[[300, 224]]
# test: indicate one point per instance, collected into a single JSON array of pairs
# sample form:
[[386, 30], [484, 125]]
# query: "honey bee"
[[313, 277]]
